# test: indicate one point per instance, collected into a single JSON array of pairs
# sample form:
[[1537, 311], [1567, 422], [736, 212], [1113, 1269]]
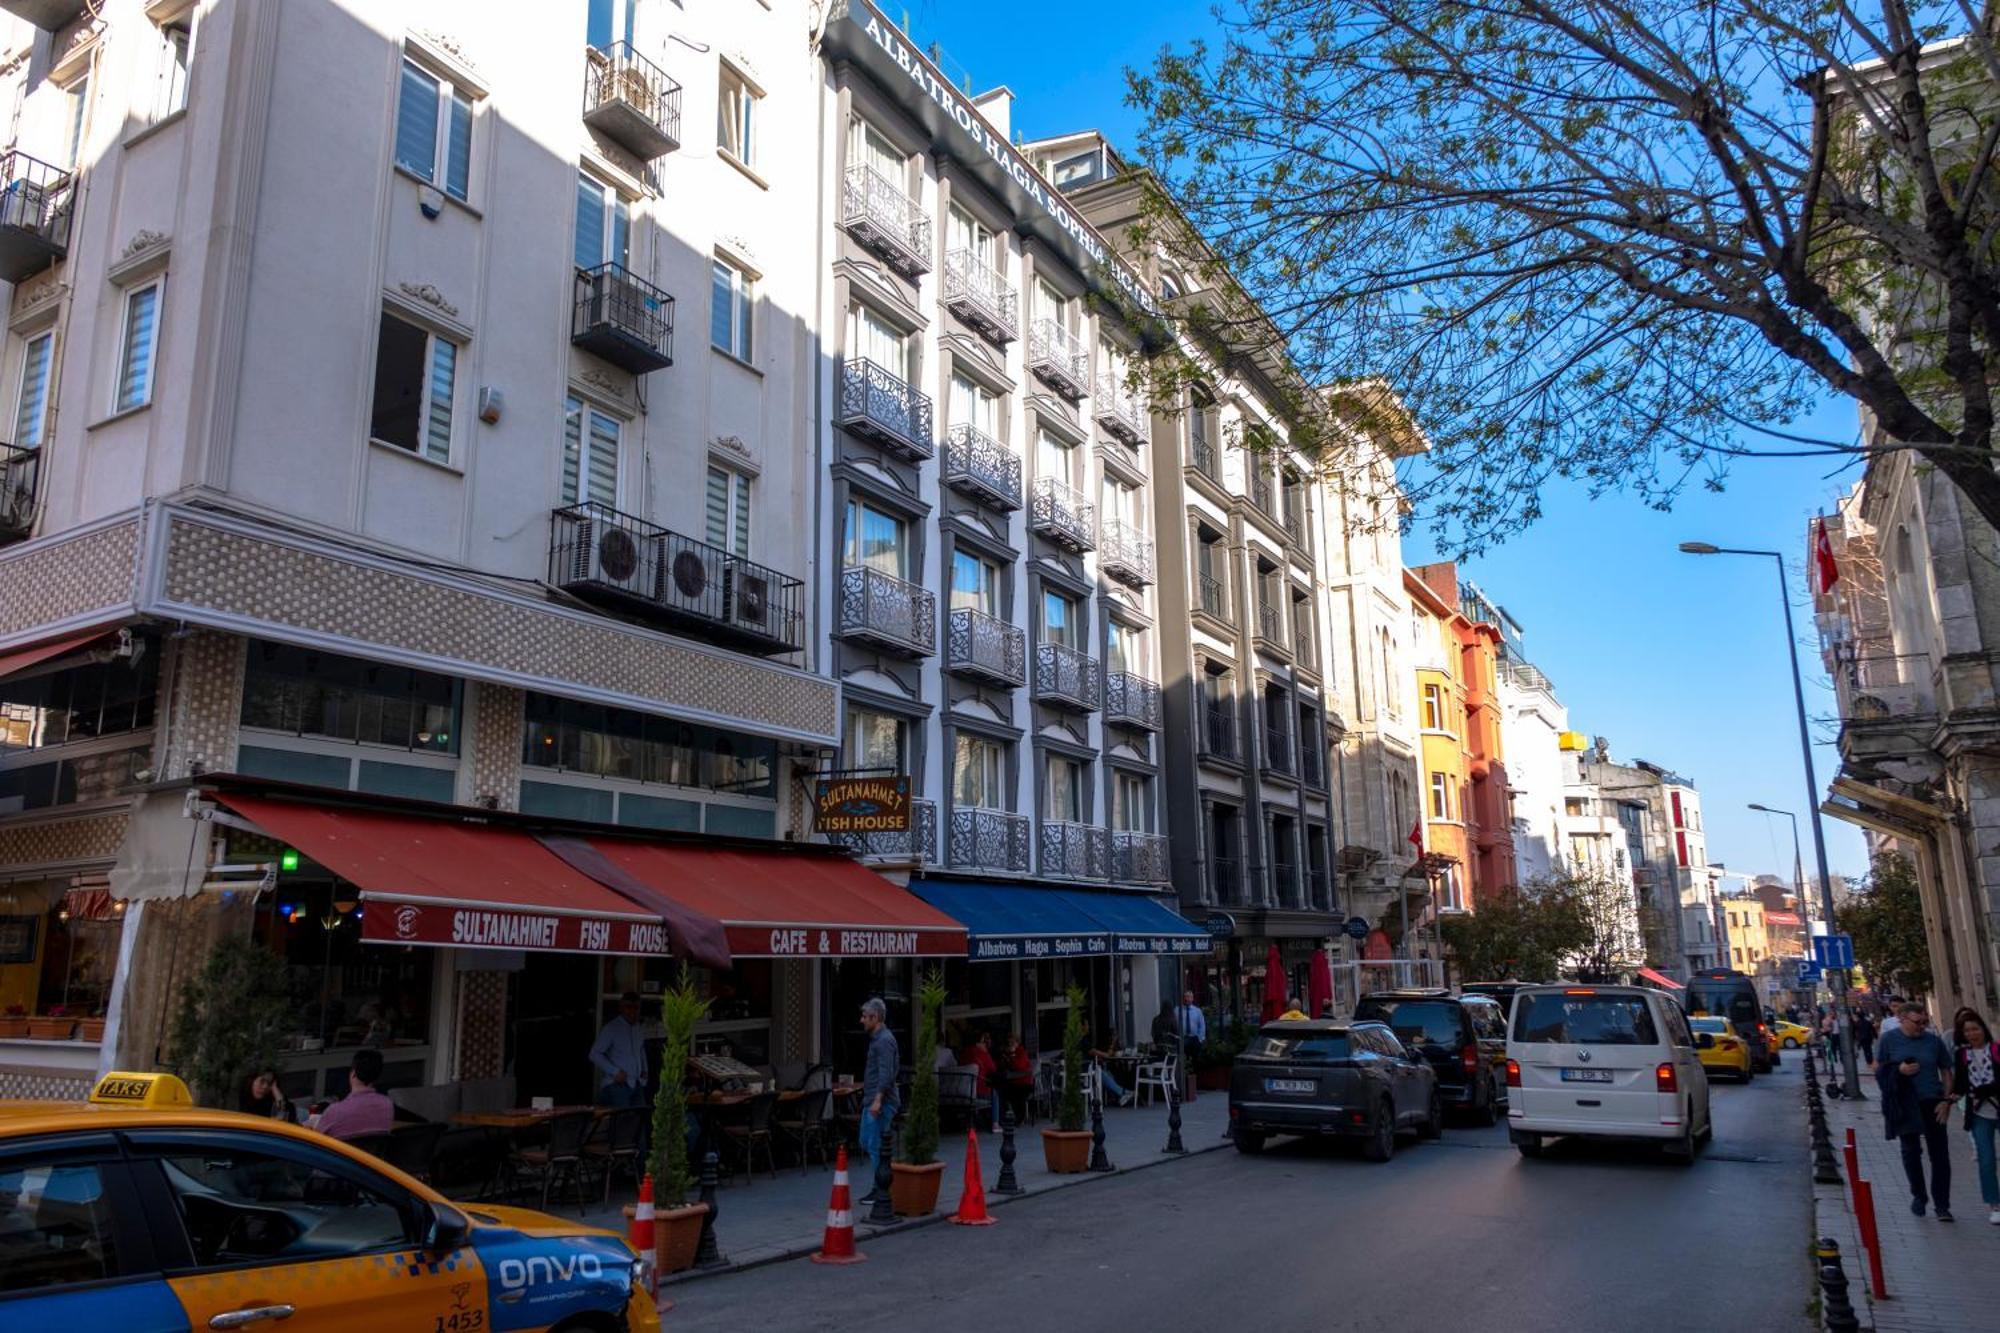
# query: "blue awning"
[[1004, 921]]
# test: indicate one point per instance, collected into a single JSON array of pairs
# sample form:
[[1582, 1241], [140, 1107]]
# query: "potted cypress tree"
[[1066, 1148], [917, 1172], [676, 1222]]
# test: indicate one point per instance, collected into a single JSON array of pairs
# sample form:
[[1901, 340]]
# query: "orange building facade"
[[1486, 813]]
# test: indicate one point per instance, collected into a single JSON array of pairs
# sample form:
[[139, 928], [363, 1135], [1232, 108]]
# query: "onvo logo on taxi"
[[539, 1269]]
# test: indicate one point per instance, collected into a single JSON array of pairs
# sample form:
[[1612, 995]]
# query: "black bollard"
[[1836, 1309], [1007, 1184], [707, 1254], [1174, 1144], [883, 1213], [1098, 1161]]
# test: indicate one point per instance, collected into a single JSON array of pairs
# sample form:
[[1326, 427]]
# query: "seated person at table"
[[1017, 1076], [363, 1110], [944, 1059], [1112, 1087], [980, 1056]]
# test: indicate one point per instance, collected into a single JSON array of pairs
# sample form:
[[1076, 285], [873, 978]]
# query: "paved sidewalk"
[[767, 1220], [1940, 1276]]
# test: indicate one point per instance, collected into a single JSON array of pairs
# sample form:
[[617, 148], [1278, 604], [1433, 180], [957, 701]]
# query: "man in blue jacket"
[[1913, 1068], [878, 1081]]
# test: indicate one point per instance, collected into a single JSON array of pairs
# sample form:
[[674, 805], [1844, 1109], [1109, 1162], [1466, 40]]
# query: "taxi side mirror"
[[447, 1230], [1704, 1040]]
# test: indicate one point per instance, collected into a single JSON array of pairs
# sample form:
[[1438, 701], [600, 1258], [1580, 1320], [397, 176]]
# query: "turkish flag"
[[1417, 836], [1829, 571]]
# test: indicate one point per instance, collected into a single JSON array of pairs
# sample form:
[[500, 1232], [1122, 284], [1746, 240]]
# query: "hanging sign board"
[[862, 805]]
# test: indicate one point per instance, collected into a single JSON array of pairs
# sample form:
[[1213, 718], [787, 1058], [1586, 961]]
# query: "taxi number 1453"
[[462, 1321]]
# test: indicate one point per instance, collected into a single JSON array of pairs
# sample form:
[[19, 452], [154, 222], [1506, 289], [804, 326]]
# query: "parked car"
[[1604, 1062], [1720, 1049], [1320, 1077], [1500, 992], [1463, 1037]]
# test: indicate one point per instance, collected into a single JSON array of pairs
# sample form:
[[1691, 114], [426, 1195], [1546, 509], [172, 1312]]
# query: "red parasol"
[[1319, 983], [1274, 984]]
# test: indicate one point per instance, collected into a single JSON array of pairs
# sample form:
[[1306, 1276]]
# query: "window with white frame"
[[1126, 648], [1433, 708], [876, 539], [590, 454], [876, 740], [170, 87], [1132, 802], [1062, 619], [973, 404], [869, 147], [1120, 504], [1051, 304], [871, 337], [963, 232], [736, 116], [31, 403], [1054, 457], [603, 224], [1440, 796], [138, 345], [728, 510], [434, 130], [732, 299], [978, 773], [1062, 789], [609, 21], [416, 374], [975, 583], [76, 112]]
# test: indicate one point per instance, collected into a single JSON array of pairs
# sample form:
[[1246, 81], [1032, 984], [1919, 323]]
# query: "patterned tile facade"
[[43, 583], [482, 1024], [498, 717], [269, 581], [42, 1084], [207, 704], [79, 840]]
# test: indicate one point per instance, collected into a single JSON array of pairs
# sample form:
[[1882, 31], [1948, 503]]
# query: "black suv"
[[1463, 1037]]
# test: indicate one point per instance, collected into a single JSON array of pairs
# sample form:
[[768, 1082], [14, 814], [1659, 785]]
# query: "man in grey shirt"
[[878, 1081], [1913, 1068], [620, 1055]]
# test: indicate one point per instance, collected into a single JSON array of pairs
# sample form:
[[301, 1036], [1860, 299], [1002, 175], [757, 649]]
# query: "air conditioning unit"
[[605, 555], [23, 204], [695, 581], [748, 596]]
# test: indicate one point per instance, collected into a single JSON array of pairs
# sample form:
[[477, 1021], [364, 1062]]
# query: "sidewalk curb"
[[761, 1255], [1833, 1216]]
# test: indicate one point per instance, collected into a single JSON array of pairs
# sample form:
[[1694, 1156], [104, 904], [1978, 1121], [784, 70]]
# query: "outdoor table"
[[521, 1117]]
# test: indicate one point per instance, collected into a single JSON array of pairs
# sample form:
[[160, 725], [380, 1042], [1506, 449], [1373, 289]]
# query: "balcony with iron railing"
[[1058, 358], [1125, 552], [1061, 513], [1312, 766], [1285, 883], [918, 843], [1270, 628], [1211, 597], [1305, 650], [983, 647], [622, 318], [1075, 851], [980, 466], [1140, 858], [1887, 701], [1202, 458], [35, 203], [881, 405], [613, 559], [631, 101], [980, 839], [880, 214], [1260, 489], [886, 611], [1131, 700], [1218, 732], [1277, 749], [1119, 410], [19, 469], [1294, 519], [1067, 677], [978, 293], [1225, 879]]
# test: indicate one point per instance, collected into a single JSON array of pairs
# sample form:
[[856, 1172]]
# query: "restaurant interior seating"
[[744, 1137], [446, 1100], [469, 1161], [560, 1158]]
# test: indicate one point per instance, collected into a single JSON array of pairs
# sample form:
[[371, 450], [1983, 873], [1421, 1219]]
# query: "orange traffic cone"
[[642, 1218], [972, 1202], [838, 1245]]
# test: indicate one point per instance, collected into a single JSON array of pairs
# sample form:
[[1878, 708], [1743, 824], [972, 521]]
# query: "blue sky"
[[1672, 658]]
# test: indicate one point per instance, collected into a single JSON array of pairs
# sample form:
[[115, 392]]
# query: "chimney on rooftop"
[[997, 105]]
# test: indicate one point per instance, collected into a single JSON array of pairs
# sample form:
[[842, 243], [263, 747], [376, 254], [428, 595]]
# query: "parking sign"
[[1809, 973]]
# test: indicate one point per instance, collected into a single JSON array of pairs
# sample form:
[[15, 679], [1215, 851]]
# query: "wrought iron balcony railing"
[[978, 293], [978, 465], [35, 203], [1212, 596], [878, 213], [884, 610], [1062, 514], [624, 319], [1260, 488], [878, 404], [985, 647], [1312, 764], [602, 555], [1271, 624], [1218, 732], [1067, 677], [1304, 651], [1125, 553], [1119, 410], [1285, 883], [988, 840], [1294, 519], [1075, 851], [1277, 749], [19, 470], [918, 843], [1131, 700], [1225, 879], [1140, 858], [630, 100], [1058, 358], [1201, 456]]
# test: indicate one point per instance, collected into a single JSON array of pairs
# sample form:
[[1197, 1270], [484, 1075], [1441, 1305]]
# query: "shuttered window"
[[416, 383], [590, 452], [32, 410], [434, 130], [603, 224], [729, 510], [437, 413], [136, 348]]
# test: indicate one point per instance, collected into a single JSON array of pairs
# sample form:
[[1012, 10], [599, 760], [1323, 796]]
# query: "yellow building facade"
[[1445, 782]]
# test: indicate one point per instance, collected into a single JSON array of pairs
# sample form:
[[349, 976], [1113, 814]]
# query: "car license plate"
[[1288, 1085], [1586, 1076]]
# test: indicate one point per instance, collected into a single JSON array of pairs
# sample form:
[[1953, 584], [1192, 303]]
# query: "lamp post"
[[1798, 862], [1843, 1023]]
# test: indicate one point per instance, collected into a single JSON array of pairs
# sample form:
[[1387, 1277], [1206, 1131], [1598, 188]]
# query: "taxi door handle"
[[250, 1315]]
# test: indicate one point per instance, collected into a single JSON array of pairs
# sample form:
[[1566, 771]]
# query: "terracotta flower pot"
[[51, 1029], [13, 1027], [913, 1190], [90, 1029], [676, 1236], [1067, 1152]]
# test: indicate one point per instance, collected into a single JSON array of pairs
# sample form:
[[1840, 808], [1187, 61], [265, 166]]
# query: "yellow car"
[[141, 1212], [1720, 1049], [1791, 1036]]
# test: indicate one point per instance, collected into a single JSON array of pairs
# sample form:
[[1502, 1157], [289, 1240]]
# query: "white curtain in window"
[[1064, 791], [874, 338], [976, 774], [1054, 458]]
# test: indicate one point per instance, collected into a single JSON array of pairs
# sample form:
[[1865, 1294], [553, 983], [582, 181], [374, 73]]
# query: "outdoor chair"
[[614, 1143], [561, 1158], [958, 1093], [1155, 1075], [807, 1131], [411, 1147], [375, 1145], [755, 1130], [469, 1161]]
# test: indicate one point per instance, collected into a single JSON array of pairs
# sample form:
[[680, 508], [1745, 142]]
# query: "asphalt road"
[[1458, 1234]]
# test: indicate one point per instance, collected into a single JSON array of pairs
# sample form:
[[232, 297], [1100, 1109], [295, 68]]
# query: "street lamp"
[[1842, 1022], [1798, 862]]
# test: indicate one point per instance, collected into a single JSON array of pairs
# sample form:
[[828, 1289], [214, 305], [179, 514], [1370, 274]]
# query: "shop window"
[[306, 693], [345, 993], [77, 734], [571, 736], [58, 948]]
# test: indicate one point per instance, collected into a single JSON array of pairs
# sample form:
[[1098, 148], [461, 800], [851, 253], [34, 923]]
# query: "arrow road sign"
[[1833, 951]]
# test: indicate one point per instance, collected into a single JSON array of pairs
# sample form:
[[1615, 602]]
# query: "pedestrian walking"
[[1915, 1073], [1977, 1062], [878, 1081], [1864, 1038]]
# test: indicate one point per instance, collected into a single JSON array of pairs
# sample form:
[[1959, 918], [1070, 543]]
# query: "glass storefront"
[[76, 734], [58, 949], [333, 721]]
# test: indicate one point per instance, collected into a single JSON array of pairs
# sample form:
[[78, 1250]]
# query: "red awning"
[[20, 659], [1788, 919], [457, 884], [786, 904], [1660, 979]]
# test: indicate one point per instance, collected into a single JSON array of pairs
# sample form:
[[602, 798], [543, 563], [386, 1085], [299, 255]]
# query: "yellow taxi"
[[1721, 1050], [141, 1212], [1791, 1036]]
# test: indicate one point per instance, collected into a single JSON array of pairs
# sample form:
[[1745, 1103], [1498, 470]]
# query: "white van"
[[1604, 1062]]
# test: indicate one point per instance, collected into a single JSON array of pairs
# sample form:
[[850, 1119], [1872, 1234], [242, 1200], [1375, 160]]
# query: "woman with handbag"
[[1978, 1058]]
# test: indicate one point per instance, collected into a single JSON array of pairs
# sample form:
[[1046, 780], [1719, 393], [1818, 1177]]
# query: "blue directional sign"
[[1809, 972], [1833, 951]]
